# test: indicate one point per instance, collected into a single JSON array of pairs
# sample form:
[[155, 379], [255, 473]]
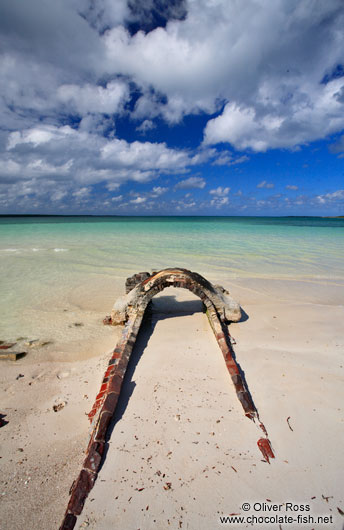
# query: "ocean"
[[51, 266]]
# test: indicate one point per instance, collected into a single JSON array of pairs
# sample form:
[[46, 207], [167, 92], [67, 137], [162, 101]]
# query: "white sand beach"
[[182, 453]]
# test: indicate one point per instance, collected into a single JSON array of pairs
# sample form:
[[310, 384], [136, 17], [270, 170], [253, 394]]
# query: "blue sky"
[[176, 107]]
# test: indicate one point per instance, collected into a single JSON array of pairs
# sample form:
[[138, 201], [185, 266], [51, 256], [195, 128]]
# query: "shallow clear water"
[[45, 258]]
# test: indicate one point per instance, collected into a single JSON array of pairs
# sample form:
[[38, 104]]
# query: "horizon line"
[[162, 215]]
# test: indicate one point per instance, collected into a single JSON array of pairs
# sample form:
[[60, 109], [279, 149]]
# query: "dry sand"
[[182, 453]]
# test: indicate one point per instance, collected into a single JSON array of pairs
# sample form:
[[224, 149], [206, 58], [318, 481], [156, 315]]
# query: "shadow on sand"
[[160, 308]]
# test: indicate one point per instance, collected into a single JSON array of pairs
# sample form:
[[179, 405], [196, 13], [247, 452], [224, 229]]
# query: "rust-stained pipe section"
[[141, 288]]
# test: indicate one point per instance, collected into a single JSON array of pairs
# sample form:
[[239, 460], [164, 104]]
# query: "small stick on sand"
[[289, 424]]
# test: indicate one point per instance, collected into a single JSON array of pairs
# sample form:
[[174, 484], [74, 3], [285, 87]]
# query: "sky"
[[180, 107]]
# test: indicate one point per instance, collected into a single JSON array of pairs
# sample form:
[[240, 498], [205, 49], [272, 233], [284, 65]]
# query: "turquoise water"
[[44, 257]]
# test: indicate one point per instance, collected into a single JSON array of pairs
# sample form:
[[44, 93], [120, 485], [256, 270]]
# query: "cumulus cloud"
[[39, 136], [183, 205], [269, 73], [87, 154], [291, 187], [218, 202], [145, 155], [138, 200], [331, 197], [266, 185], [191, 182], [88, 99], [276, 85], [65, 158], [82, 193], [275, 125], [225, 158], [232, 125], [158, 190], [145, 126], [220, 191], [104, 14]]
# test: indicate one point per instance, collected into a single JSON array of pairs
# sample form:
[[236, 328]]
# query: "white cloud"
[[103, 14], [266, 185], [225, 158], [233, 124], [145, 126], [158, 190], [70, 69], [331, 197], [58, 195], [191, 182], [88, 99], [270, 124], [74, 159], [267, 79], [138, 200], [38, 136], [291, 187], [145, 155], [82, 193], [224, 52], [220, 191], [182, 205], [218, 202], [89, 157]]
